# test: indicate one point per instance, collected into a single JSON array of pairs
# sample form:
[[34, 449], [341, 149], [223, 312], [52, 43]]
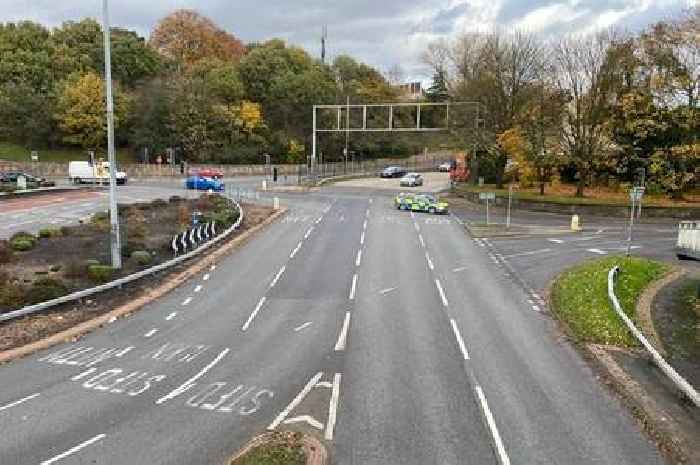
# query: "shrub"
[[11, 295], [175, 199], [49, 232], [159, 203], [66, 230], [5, 252], [100, 273], [45, 289], [22, 235], [22, 245], [141, 257], [75, 269], [100, 217]]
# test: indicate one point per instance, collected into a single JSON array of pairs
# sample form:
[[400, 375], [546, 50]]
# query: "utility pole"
[[115, 240], [347, 131]]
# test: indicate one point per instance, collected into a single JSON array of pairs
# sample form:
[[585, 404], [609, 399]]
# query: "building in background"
[[411, 90]]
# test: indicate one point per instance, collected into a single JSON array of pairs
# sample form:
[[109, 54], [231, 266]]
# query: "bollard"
[[575, 223], [264, 185], [276, 203]]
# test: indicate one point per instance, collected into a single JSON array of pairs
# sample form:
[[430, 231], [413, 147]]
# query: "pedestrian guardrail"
[[683, 385], [30, 309], [688, 244]]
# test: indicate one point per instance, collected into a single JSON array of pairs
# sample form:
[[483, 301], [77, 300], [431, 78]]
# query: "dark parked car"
[[393, 172], [32, 181]]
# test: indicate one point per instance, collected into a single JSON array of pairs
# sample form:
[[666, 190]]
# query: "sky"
[[382, 33]]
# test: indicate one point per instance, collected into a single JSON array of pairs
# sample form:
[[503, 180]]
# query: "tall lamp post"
[[115, 240]]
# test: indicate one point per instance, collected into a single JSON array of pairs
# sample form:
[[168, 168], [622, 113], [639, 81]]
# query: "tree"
[[437, 92], [26, 55], [187, 37], [81, 110]]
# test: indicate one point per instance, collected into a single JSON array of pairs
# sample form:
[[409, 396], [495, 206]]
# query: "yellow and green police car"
[[421, 203]]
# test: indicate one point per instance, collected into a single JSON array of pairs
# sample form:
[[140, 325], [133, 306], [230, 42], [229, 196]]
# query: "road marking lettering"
[[210, 399], [430, 262], [198, 288], [17, 402], [387, 290], [205, 277], [352, 288], [73, 450], [187, 301], [536, 308], [343, 336], [333, 407], [187, 385], [171, 316], [500, 449], [305, 325], [277, 276], [460, 341], [358, 260], [597, 251], [296, 401], [212, 268], [252, 316], [178, 353], [84, 356], [362, 238], [442, 293], [114, 382], [294, 252]]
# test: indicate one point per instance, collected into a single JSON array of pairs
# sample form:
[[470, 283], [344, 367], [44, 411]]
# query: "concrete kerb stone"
[[134, 305], [314, 450]]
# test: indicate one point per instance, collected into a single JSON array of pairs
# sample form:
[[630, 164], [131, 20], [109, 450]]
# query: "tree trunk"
[[580, 185]]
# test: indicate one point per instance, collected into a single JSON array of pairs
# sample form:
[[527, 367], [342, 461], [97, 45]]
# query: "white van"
[[84, 172]]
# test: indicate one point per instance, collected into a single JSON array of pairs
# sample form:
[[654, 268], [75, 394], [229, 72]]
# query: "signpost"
[[636, 195], [487, 196]]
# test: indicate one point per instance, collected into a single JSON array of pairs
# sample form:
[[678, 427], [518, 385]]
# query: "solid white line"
[[352, 289], [277, 276], [387, 290], [343, 336], [205, 277], [364, 225], [333, 407], [252, 315], [17, 402], [461, 268], [492, 426], [556, 241], [305, 325], [198, 288], [420, 238], [598, 251], [358, 260], [296, 401], [294, 252], [362, 238], [187, 301], [430, 262], [532, 252], [171, 316], [415, 225], [308, 233], [151, 332], [74, 449], [442, 293], [460, 341], [304, 419], [191, 382]]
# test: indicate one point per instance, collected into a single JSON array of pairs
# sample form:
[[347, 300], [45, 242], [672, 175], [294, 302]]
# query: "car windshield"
[[283, 271]]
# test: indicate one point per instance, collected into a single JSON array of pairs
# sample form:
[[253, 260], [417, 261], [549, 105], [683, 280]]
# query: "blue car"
[[202, 183]]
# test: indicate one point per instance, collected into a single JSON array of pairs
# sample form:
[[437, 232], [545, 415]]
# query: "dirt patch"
[[282, 448], [19, 332]]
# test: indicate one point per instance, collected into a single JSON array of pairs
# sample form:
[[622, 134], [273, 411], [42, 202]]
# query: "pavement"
[[394, 337]]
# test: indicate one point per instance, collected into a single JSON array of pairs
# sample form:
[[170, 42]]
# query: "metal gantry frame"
[[478, 120]]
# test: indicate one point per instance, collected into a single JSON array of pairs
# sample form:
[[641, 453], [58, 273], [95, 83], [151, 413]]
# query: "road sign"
[[35, 155], [637, 193], [487, 196]]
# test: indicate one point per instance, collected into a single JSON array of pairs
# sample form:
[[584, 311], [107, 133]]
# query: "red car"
[[209, 173]]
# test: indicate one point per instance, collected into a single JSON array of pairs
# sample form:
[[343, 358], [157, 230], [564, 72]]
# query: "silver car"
[[412, 180]]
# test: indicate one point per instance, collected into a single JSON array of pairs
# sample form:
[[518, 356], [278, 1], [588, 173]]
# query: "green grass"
[[276, 454], [14, 152], [580, 297]]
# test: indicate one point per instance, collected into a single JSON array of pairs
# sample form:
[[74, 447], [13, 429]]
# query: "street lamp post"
[[115, 240], [636, 195]]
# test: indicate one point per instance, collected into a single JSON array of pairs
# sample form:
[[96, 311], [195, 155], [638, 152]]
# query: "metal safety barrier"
[[28, 310], [668, 370]]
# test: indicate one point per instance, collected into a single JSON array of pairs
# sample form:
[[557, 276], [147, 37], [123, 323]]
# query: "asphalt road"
[[395, 337]]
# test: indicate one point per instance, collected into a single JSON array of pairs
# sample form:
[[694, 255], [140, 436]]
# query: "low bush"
[[66, 230], [5, 252], [75, 269], [100, 273], [11, 295], [45, 289], [141, 257], [22, 245], [175, 199], [49, 232], [22, 235], [159, 203]]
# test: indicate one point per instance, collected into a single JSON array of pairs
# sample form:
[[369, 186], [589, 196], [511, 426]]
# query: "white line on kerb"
[[333, 407], [73, 450], [191, 382], [296, 401], [430, 262], [362, 238], [205, 277], [442, 293], [343, 336], [252, 315], [460, 341], [171, 316], [277, 276], [198, 288], [358, 260], [294, 252], [354, 284], [17, 402], [151, 332], [492, 426], [420, 238], [187, 301]]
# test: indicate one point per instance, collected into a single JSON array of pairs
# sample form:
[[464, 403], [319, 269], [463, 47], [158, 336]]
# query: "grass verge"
[[14, 152], [580, 297], [283, 449]]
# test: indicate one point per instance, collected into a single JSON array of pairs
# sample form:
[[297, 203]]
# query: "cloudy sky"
[[379, 32]]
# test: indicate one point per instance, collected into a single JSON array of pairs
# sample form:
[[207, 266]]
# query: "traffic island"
[[579, 299], [282, 448]]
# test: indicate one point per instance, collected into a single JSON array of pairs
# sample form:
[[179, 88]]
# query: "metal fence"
[[668, 370]]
